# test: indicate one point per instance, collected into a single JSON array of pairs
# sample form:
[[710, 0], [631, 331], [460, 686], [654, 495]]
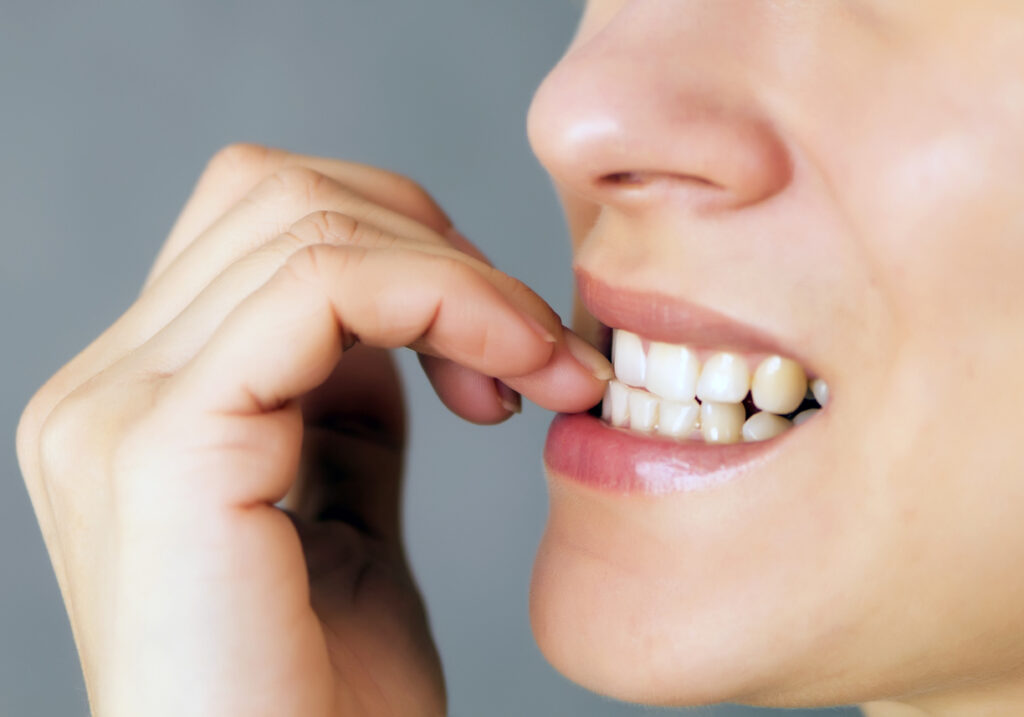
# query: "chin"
[[639, 599]]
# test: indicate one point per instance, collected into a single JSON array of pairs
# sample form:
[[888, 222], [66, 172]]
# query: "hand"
[[155, 458]]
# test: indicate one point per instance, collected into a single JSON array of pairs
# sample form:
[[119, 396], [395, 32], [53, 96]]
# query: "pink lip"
[[587, 450], [661, 317], [583, 448]]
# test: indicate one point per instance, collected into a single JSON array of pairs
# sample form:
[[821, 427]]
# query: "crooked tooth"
[[779, 385], [804, 416], [628, 358], [721, 422], [672, 371], [820, 390], [678, 418], [643, 410], [724, 379], [763, 425], [618, 398]]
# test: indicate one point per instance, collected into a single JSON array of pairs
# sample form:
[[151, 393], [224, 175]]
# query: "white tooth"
[[724, 379], [618, 395], [804, 416], [779, 385], [763, 425], [820, 390], [643, 410], [678, 418], [606, 404], [672, 371], [721, 422], [628, 357]]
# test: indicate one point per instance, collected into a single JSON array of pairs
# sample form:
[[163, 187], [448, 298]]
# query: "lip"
[[661, 317], [585, 449]]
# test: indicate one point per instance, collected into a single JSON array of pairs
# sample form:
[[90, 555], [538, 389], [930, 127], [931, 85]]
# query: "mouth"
[[697, 397]]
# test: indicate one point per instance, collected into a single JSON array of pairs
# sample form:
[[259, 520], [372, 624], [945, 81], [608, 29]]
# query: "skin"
[[848, 177], [843, 175]]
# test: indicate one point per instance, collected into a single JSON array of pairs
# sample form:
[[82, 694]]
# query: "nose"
[[650, 108]]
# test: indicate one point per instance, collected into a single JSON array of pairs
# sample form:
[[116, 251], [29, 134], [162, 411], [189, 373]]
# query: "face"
[[840, 182]]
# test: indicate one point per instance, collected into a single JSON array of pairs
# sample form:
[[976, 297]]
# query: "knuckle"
[[238, 158], [305, 264], [61, 436], [297, 185], [30, 425], [309, 264], [326, 227]]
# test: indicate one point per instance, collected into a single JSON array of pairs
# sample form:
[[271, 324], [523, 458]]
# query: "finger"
[[237, 169], [470, 394], [561, 385], [285, 339], [266, 212], [176, 343]]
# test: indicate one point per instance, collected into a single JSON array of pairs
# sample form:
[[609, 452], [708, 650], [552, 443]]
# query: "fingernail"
[[588, 357], [539, 328], [510, 400]]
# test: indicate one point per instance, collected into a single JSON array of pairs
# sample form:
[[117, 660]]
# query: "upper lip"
[[671, 319]]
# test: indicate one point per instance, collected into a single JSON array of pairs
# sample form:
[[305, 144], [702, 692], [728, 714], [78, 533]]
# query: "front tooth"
[[628, 357], [820, 390], [763, 425], [643, 410], [672, 371], [721, 422], [678, 418], [804, 416], [724, 379], [618, 397], [779, 385]]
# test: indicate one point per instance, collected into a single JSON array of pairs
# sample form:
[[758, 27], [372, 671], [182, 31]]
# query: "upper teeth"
[[674, 379]]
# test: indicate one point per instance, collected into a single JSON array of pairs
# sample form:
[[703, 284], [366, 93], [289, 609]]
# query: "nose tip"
[[622, 129]]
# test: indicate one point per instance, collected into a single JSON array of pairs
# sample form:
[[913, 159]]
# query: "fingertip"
[[588, 356], [509, 399]]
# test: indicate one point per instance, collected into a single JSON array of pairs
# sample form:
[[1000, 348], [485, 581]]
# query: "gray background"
[[108, 113]]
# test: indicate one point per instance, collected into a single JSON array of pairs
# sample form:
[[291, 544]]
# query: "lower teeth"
[[645, 412]]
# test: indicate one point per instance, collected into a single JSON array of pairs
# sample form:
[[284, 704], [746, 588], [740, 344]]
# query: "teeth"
[[678, 419], [763, 425], [628, 357], [618, 397], [672, 371], [820, 390], [804, 416], [721, 422], [725, 379], [779, 385], [657, 391], [643, 411]]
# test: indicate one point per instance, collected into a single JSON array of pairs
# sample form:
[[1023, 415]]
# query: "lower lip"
[[583, 448]]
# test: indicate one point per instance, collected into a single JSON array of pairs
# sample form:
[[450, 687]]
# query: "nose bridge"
[[659, 95]]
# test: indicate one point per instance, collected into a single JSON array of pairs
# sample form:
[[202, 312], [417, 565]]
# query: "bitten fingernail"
[[588, 357], [510, 400]]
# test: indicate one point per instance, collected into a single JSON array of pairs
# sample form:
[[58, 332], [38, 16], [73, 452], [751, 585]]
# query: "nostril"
[[638, 188], [632, 178], [640, 178]]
